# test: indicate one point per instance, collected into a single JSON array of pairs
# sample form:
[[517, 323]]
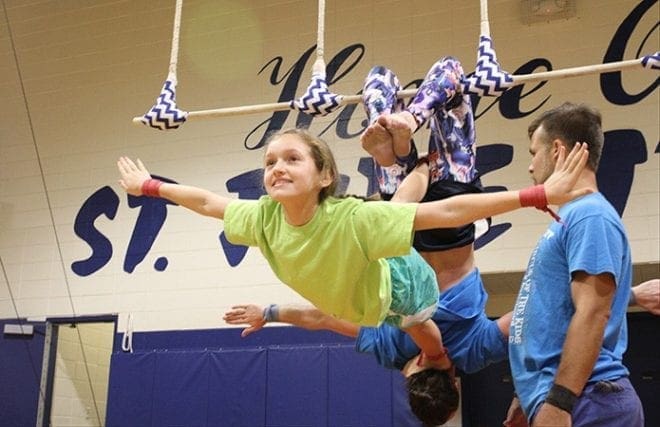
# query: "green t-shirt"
[[336, 260]]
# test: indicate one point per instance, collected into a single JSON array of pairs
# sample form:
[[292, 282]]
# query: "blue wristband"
[[271, 313]]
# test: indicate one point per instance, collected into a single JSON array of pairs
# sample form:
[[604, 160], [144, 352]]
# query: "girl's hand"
[[560, 186], [132, 175]]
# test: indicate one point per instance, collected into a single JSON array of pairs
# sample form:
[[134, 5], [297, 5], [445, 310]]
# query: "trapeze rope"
[[487, 80]]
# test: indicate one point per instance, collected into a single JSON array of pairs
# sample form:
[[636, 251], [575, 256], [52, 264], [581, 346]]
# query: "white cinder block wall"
[[73, 75], [82, 368]]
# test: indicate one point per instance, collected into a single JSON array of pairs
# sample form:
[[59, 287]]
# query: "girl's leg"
[[439, 88], [439, 93], [380, 99]]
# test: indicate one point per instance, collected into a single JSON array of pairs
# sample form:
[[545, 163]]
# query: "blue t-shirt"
[[472, 340], [590, 239]]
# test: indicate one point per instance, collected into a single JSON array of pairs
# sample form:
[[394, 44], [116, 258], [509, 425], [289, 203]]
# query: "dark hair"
[[572, 123], [433, 396], [321, 153]]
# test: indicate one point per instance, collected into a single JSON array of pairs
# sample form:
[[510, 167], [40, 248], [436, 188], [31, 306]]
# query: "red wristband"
[[151, 187], [535, 196], [435, 358]]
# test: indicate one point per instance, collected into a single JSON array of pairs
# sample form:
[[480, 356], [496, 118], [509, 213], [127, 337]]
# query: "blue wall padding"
[[401, 413], [356, 402], [181, 386], [237, 388], [278, 385], [20, 375], [131, 389], [297, 392]]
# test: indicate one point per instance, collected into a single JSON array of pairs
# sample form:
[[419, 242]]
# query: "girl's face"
[[289, 170]]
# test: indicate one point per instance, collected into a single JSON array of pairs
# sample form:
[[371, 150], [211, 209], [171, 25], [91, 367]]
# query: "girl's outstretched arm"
[[467, 208], [136, 180]]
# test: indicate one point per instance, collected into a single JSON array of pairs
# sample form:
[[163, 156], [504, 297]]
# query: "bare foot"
[[401, 126], [377, 141]]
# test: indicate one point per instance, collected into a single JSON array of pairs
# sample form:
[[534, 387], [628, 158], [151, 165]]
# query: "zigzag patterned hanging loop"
[[488, 78], [652, 61], [317, 99], [165, 115]]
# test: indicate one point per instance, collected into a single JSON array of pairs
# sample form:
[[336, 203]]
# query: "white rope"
[[485, 26], [319, 65], [320, 30], [174, 54]]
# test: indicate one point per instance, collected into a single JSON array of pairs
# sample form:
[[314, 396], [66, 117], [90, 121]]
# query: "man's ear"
[[556, 144]]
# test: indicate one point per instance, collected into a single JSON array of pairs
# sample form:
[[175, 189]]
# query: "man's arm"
[[504, 323], [306, 317], [592, 297], [514, 415]]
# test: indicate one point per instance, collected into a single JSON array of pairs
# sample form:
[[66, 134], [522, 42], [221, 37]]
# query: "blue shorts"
[[608, 404]]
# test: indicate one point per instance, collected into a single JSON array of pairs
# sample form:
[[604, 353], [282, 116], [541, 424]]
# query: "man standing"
[[568, 332]]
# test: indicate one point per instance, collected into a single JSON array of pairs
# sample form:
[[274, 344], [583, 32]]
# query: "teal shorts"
[[414, 290]]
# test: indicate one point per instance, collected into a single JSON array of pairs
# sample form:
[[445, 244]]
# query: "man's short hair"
[[572, 123], [433, 396]]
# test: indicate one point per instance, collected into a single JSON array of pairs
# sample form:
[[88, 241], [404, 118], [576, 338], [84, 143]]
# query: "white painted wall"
[[74, 73]]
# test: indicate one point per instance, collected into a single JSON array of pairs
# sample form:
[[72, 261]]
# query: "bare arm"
[[414, 186], [504, 322], [515, 416], [428, 338], [592, 297], [196, 199], [647, 296], [307, 317], [464, 209]]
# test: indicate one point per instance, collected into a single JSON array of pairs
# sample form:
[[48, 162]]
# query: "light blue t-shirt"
[[591, 238], [472, 340]]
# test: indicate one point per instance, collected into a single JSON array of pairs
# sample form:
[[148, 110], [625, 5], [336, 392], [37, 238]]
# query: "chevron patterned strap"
[[317, 100], [164, 115], [652, 61], [488, 78]]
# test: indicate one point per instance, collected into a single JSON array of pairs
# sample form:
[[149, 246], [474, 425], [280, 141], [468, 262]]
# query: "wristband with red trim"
[[151, 187], [535, 197]]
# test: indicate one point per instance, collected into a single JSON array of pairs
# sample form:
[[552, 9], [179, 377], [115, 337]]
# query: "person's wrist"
[[271, 313], [561, 397], [436, 357], [533, 196], [151, 187]]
